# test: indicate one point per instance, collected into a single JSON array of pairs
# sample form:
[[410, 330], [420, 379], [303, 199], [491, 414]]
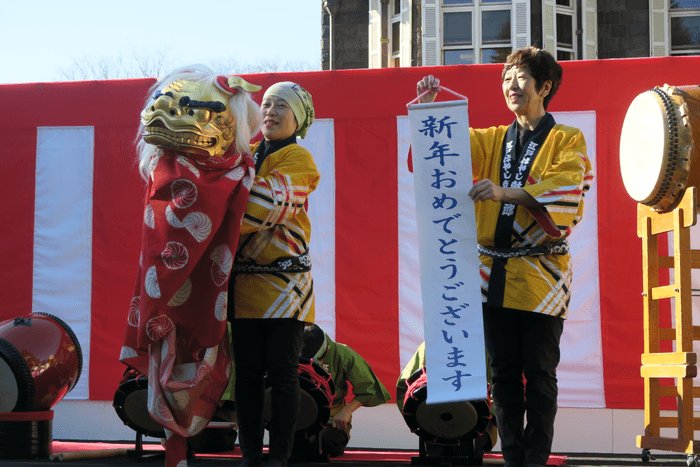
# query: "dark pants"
[[524, 343], [269, 346]]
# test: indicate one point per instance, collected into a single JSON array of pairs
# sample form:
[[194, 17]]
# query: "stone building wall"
[[350, 35], [623, 28], [623, 31]]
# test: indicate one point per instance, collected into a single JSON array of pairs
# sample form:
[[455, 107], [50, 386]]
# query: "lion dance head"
[[195, 112]]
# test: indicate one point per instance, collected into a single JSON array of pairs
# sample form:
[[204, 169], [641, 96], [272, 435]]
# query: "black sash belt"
[[301, 263], [560, 247]]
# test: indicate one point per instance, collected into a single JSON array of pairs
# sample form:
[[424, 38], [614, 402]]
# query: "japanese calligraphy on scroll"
[[447, 251]]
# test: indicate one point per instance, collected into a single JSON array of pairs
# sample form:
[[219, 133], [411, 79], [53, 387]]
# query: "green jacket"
[[347, 366]]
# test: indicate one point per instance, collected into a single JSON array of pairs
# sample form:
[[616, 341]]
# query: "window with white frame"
[[395, 21], [684, 18], [566, 31], [476, 31]]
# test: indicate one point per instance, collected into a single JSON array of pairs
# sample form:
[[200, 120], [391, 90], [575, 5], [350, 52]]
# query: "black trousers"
[[523, 343], [269, 346]]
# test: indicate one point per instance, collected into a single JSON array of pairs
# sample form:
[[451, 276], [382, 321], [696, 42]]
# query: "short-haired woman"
[[530, 179]]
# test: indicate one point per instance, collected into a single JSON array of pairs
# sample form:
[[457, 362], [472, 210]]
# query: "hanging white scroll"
[[447, 251]]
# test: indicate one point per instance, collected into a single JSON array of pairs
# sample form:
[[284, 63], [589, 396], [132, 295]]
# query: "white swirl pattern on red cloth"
[[236, 174], [182, 294], [164, 351], [162, 409], [220, 308], [184, 193], [184, 161], [149, 217], [184, 372], [172, 218], [198, 424], [180, 399], [249, 179], [175, 255], [210, 357], [151, 283], [127, 352], [222, 262], [198, 224], [133, 318], [158, 327], [203, 370], [182, 313]]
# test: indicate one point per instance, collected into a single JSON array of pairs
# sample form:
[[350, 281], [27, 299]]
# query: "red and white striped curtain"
[[72, 200]]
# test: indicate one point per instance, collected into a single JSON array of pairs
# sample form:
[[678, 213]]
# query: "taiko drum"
[[40, 362], [660, 145]]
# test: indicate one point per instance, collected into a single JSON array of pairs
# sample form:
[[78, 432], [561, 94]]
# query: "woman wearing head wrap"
[[272, 288]]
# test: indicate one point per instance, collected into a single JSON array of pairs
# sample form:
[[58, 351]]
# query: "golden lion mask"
[[191, 116]]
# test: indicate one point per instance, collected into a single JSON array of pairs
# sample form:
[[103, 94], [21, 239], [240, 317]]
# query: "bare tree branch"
[[136, 63], [233, 66], [153, 63]]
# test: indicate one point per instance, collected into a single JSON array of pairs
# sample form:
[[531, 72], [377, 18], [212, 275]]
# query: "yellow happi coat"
[[559, 177], [276, 226]]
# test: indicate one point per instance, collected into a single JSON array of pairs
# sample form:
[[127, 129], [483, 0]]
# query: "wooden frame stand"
[[681, 363]]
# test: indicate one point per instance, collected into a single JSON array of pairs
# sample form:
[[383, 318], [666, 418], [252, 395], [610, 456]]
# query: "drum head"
[[314, 408], [314, 401], [308, 412], [643, 143], [657, 147], [17, 390], [131, 404], [453, 420], [448, 423], [9, 391]]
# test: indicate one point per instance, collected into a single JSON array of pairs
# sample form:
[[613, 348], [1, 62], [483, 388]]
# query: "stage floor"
[[355, 458], [597, 460]]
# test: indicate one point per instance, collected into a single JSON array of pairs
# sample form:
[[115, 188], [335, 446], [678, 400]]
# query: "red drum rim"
[[26, 416], [317, 391], [24, 394], [74, 339], [416, 395]]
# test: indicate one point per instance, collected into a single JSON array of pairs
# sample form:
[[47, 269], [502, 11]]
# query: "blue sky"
[[40, 37]]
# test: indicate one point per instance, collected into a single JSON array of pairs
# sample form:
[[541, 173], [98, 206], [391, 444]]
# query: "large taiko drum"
[[450, 423], [317, 391], [131, 405], [40, 362], [660, 145]]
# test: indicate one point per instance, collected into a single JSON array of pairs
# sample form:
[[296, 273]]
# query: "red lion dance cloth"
[[193, 152]]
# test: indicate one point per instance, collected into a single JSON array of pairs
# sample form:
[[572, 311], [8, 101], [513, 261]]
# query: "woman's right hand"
[[428, 83]]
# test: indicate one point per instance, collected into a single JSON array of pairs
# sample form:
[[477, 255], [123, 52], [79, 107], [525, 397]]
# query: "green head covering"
[[300, 101]]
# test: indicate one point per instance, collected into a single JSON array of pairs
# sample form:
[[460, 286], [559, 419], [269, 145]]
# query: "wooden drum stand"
[[680, 364]]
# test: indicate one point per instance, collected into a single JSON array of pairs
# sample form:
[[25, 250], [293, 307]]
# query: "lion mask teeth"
[[191, 117]]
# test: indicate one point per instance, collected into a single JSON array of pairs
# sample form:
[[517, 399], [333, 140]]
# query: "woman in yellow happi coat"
[[531, 178], [271, 295]]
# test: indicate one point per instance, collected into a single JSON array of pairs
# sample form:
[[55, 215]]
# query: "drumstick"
[[94, 454]]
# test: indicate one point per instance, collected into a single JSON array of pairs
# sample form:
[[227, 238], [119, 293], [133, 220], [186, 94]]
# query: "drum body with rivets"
[[445, 423], [40, 362], [316, 391], [660, 145], [131, 405]]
